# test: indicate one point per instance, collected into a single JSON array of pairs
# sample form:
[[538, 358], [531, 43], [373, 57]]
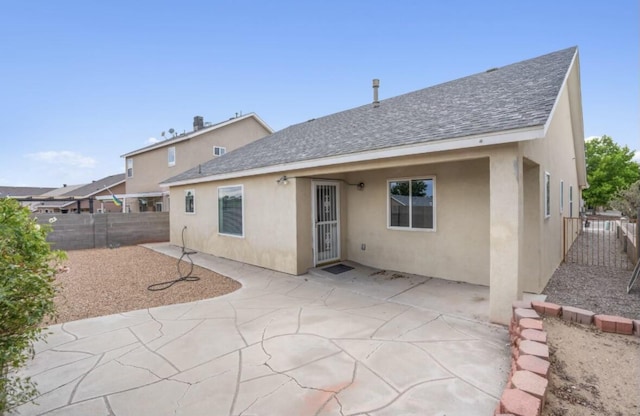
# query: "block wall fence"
[[85, 231]]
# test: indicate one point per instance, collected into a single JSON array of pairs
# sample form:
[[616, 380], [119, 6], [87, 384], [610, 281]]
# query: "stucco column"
[[506, 232]]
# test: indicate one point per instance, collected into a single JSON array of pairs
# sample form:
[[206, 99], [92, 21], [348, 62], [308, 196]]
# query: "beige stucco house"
[[146, 167], [467, 180]]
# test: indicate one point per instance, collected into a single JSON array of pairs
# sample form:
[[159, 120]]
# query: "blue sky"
[[84, 82]]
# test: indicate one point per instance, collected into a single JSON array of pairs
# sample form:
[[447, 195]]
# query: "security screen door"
[[326, 222]]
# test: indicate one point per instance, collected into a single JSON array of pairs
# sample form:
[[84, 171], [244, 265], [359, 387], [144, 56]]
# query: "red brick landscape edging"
[[526, 388]]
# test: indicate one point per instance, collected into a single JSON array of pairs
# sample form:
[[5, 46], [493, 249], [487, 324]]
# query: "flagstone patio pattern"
[[281, 345]]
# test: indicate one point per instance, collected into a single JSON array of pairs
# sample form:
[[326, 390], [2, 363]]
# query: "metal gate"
[[596, 241], [326, 222]]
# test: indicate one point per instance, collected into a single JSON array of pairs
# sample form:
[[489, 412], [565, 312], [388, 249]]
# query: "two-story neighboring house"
[[150, 165]]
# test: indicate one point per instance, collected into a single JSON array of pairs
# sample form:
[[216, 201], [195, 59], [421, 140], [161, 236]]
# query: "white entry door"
[[326, 222]]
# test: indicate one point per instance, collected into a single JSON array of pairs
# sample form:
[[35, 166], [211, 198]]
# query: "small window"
[[561, 196], [219, 151], [158, 206], [171, 156], [190, 201], [230, 210], [411, 203], [571, 200], [547, 194], [129, 168]]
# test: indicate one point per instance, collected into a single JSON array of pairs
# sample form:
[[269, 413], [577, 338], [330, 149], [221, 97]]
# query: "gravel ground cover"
[[600, 289], [106, 281]]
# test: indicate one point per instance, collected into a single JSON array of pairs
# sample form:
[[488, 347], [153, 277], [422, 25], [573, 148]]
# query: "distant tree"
[[610, 168], [627, 200]]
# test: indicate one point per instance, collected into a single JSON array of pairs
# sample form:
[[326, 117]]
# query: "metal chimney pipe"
[[376, 85], [198, 123]]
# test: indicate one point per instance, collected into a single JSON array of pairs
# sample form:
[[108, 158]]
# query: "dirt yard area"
[[107, 281], [592, 373]]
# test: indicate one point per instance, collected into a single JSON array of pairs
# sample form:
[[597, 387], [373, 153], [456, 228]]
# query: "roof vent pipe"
[[376, 84]]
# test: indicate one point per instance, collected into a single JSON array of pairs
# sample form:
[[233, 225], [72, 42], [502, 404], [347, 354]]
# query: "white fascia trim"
[[191, 135], [563, 86], [508, 136]]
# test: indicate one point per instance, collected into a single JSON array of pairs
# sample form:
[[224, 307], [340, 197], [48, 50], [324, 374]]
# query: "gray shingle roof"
[[17, 191], [96, 186], [516, 96]]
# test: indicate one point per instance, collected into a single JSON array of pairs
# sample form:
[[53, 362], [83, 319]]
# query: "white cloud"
[[152, 140], [591, 138], [63, 158], [636, 156]]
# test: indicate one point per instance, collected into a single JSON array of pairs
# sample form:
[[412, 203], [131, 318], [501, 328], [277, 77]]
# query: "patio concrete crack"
[[157, 354], [140, 368], [340, 406], [75, 389], [474, 337], [235, 324], [408, 289], [335, 395], [63, 329], [402, 393], [264, 396], [108, 405], [181, 335], [299, 320], [326, 296], [238, 378], [293, 288], [153, 318], [455, 374], [405, 331]]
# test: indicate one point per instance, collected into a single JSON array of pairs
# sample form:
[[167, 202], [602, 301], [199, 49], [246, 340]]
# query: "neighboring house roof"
[[64, 190], [191, 135], [85, 191], [500, 105], [16, 191]]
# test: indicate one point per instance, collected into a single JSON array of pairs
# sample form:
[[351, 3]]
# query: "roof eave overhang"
[[502, 137]]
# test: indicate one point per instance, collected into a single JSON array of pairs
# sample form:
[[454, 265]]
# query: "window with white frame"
[[171, 156], [219, 151], [190, 201], [230, 210], [547, 194], [570, 200], [561, 196], [130, 168], [411, 203]]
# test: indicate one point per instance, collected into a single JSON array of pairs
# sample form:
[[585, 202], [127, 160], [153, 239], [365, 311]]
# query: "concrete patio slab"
[[363, 342]]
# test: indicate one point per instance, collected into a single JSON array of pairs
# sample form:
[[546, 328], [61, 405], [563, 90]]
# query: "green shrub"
[[27, 271]]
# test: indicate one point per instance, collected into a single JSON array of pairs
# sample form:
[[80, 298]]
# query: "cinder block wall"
[[83, 231]]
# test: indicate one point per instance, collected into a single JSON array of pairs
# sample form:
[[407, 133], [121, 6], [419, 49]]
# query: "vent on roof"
[[492, 69], [198, 123], [376, 85]]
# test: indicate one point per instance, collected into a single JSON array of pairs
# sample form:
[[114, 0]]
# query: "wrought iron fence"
[[597, 241]]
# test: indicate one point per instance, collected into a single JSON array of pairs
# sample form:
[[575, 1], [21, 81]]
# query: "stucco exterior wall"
[[152, 167], [556, 155], [270, 232], [457, 249]]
